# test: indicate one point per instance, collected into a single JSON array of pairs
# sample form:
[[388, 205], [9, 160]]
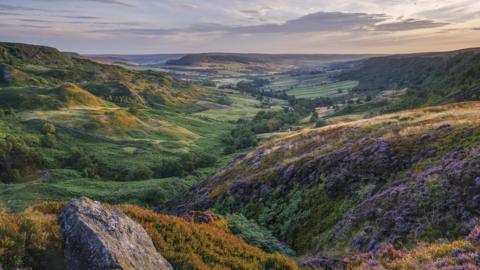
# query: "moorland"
[[292, 161]]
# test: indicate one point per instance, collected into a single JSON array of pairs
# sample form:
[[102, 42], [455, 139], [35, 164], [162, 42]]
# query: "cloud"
[[409, 24], [34, 21], [460, 11], [256, 12], [10, 13], [115, 2], [24, 26], [311, 23], [81, 17], [17, 8]]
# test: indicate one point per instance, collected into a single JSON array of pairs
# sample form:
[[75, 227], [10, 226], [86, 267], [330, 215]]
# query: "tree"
[[320, 123], [48, 128], [314, 117]]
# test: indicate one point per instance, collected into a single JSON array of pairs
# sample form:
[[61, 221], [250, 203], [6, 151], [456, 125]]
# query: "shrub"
[[32, 239], [49, 141], [140, 172], [189, 245], [82, 162], [17, 160], [241, 137], [314, 117], [253, 234], [48, 128], [320, 123], [224, 100], [169, 168]]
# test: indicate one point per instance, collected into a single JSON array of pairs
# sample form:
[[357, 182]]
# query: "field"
[[310, 85], [243, 107], [147, 193], [121, 142]]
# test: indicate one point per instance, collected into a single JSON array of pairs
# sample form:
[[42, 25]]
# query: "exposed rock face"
[[352, 189], [201, 217], [97, 237]]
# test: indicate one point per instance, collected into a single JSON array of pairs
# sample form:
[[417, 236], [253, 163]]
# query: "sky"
[[263, 26]]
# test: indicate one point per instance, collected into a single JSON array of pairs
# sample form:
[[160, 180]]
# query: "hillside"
[[290, 60], [70, 126], [187, 245], [353, 187], [201, 59], [430, 78], [37, 66], [135, 60]]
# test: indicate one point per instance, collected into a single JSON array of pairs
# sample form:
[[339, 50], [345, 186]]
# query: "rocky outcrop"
[[97, 237], [201, 217]]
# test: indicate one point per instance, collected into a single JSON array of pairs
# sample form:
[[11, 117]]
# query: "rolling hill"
[[430, 78], [395, 189], [63, 117], [358, 186], [299, 60], [135, 60]]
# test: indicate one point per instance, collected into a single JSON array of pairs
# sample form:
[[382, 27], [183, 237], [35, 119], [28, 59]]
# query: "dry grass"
[[406, 123], [32, 238]]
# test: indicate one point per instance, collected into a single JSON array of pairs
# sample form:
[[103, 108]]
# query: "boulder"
[[97, 237]]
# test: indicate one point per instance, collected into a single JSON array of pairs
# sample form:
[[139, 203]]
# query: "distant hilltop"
[[277, 59]]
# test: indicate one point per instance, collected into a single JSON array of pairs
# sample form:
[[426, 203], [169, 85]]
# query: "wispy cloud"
[[127, 3], [81, 17], [409, 24], [312, 23], [34, 20], [456, 11], [17, 8]]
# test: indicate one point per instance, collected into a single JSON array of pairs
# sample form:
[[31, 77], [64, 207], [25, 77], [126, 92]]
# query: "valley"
[[246, 161]]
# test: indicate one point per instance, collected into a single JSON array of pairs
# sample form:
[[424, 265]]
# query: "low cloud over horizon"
[[268, 26]]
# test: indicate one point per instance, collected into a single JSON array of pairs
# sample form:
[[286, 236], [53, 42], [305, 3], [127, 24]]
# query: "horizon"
[[142, 27], [246, 53]]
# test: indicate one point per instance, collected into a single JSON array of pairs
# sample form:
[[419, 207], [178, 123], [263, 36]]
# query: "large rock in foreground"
[[97, 237]]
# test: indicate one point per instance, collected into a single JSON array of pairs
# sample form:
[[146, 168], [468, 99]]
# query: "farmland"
[[310, 85]]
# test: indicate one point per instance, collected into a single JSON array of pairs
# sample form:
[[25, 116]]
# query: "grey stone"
[[97, 237]]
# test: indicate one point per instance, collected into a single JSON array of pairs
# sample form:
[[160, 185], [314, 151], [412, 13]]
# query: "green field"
[[162, 135], [310, 85], [244, 106], [147, 193]]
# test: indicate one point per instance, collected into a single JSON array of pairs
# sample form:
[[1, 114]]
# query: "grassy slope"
[[125, 119], [186, 245], [177, 133], [315, 188], [430, 78], [146, 193]]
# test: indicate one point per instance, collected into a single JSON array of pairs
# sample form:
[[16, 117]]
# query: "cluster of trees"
[[6, 112], [255, 88], [241, 137], [244, 135], [93, 166], [224, 100], [17, 159], [429, 80]]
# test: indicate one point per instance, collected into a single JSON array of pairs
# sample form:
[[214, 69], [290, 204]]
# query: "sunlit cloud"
[[149, 26]]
